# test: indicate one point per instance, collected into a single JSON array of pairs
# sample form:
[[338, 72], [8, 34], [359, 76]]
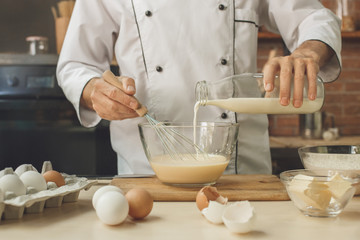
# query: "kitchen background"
[[37, 123], [22, 18]]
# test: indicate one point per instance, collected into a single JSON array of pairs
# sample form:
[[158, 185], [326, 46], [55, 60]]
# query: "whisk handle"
[[113, 80]]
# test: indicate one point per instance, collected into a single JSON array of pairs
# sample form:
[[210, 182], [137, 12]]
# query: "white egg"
[[214, 212], [103, 190], [239, 217], [112, 208], [12, 183], [24, 168], [34, 179]]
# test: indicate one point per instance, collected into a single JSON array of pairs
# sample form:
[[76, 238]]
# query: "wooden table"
[[179, 220]]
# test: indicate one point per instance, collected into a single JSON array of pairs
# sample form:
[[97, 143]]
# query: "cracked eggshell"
[[239, 217], [214, 212], [103, 190], [34, 179], [12, 183], [207, 194]]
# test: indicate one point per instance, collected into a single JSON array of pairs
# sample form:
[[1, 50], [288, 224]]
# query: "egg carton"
[[15, 207], [2, 208]]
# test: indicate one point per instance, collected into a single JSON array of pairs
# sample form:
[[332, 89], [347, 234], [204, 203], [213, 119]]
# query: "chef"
[[163, 47]]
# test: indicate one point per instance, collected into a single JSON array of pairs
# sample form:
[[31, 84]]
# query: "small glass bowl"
[[320, 193]]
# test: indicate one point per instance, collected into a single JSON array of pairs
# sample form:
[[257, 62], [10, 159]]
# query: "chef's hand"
[[108, 101], [306, 60]]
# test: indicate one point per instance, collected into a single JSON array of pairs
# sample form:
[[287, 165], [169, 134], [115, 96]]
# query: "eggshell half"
[[214, 212], [207, 194], [239, 217]]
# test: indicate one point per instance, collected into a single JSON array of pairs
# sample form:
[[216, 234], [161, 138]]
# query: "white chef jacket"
[[167, 46]]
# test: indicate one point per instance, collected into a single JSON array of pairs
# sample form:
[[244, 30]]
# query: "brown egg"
[[207, 194], [54, 176], [140, 203]]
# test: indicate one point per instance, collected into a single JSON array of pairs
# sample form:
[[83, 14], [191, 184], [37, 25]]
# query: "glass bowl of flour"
[[339, 157], [331, 157]]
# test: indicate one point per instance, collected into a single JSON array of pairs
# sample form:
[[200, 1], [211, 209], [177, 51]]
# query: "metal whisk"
[[175, 144]]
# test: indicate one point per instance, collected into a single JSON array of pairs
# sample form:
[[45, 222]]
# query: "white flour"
[[338, 161]]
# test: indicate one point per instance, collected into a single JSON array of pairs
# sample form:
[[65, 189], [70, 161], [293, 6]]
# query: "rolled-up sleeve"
[[87, 52], [300, 21]]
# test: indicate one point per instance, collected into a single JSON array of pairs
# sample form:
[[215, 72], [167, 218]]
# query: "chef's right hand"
[[108, 101]]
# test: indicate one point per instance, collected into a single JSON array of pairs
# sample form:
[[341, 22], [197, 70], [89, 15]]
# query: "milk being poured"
[[245, 94], [196, 109], [259, 106]]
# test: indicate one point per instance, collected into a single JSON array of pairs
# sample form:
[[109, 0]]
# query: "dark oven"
[[37, 123]]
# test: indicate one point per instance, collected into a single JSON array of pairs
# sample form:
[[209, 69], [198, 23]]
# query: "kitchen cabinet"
[[180, 220]]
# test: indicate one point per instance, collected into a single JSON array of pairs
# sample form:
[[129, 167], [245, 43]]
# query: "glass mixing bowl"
[[175, 159]]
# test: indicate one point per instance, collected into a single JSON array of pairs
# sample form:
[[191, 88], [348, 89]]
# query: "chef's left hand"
[[306, 60]]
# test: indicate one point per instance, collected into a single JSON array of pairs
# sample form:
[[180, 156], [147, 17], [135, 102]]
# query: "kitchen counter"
[[27, 59], [296, 142], [180, 220]]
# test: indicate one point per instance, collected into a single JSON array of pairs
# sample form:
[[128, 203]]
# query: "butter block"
[[311, 191], [319, 193], [338, 186], [298, 185]]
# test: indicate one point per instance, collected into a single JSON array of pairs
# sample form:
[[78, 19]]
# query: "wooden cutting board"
[[234, 187]]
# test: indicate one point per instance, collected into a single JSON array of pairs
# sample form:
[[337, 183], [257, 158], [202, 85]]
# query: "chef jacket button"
[[159, 69], [148, 13], [223, 61], [224, 115], [221, 7]]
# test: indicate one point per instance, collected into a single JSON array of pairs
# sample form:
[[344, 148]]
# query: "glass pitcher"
[[245, 93]]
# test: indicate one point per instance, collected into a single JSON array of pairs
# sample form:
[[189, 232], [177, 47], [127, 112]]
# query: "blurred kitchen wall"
[[22, 18]]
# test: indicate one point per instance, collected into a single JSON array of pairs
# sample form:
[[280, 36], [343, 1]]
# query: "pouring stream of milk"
[[196, 109]]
